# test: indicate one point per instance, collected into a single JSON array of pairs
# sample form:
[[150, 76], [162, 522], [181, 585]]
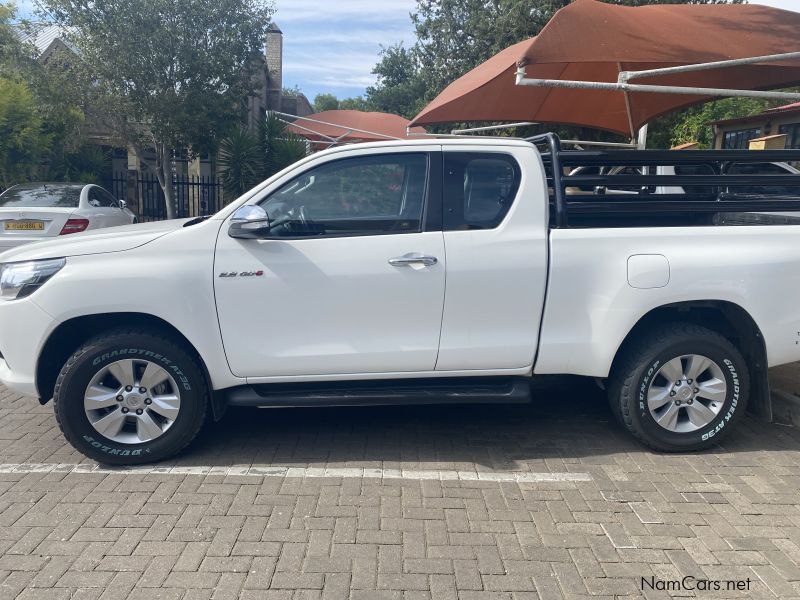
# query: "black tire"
[[90, 358], [638, 365]]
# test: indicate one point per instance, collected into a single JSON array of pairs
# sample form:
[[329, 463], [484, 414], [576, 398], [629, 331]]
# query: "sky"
[[331, 46]]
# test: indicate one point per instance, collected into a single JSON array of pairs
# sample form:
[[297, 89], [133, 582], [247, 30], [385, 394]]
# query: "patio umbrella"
[[590, 41], [351, 126]]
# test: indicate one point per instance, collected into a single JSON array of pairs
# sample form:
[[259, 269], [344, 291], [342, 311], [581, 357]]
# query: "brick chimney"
[[274, 57]]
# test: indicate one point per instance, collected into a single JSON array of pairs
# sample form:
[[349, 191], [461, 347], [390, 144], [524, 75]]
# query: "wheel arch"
[[729, 320], [71, 334]]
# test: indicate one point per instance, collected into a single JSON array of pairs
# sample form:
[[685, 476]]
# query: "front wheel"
[[130, 397], [681, 387]]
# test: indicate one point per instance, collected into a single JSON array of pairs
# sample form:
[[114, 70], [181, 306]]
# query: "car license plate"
[[23, 226]]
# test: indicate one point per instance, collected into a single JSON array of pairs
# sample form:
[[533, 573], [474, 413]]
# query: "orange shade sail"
[[593, 41]]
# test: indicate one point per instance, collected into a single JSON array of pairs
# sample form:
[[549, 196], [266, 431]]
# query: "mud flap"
[[218, 405], [760, 399]]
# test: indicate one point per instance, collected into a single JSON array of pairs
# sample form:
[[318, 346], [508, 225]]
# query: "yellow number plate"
[[24, 226]]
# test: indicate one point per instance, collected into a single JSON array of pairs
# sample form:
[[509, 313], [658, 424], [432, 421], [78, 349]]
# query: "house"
[[737, 133]]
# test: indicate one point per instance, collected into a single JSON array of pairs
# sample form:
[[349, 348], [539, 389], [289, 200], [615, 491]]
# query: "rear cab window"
[[479, 189]]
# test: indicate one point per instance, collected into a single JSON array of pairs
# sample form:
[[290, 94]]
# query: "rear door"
[[495, 233]]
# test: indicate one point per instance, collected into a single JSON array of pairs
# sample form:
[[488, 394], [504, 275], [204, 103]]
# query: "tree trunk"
[[165, 178]]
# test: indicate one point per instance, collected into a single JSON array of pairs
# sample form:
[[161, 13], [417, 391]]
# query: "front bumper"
[[24, 329], [17, 382]]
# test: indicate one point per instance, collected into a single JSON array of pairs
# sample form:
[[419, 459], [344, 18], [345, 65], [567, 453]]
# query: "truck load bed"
[[710, 195]]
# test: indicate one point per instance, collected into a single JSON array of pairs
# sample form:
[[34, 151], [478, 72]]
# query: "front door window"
[[373, 195]]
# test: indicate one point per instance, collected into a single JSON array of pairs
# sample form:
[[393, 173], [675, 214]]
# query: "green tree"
[[401, 88], [12, 49], [323, 102], [86, 164], [22, 136], [8, 41], [354, 103], [291, 92], [168, 75], [454, 36], [59, 150]]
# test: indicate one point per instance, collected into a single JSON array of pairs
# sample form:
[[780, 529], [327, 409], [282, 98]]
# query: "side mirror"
[[249, 222], [122, 204]]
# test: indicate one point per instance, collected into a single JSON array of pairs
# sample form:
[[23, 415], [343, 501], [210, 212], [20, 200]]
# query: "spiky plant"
[[281, 147], [240, 161]]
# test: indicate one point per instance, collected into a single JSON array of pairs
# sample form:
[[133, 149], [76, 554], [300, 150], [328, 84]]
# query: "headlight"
[[21, 279]]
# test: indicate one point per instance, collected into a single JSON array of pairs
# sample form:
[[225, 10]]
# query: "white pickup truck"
[[414, 271]]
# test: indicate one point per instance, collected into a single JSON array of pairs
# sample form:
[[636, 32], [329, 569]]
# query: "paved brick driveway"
[[513, 502]]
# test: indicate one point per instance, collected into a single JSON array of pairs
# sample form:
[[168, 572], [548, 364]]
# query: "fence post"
[[132, 195]]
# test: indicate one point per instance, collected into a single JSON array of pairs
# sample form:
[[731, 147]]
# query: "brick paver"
[[249, 527]]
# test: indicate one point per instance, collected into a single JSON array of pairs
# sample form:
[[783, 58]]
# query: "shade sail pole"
[[641, 142], [328, 139], [627, 108], [490, 128], [719, 64], [657, 89], [623, 80]]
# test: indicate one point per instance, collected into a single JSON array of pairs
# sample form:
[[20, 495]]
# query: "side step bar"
[[461, 390]]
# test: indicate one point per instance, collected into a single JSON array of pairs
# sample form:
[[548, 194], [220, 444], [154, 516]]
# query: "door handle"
[[413, 258]]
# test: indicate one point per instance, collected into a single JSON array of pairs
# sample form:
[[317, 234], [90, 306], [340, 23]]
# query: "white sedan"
[[33, 212]]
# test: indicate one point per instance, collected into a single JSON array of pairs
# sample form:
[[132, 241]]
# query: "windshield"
[[41, 196]]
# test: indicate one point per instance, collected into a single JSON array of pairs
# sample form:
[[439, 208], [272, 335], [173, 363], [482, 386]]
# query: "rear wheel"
[[681, 387], [130, 397]]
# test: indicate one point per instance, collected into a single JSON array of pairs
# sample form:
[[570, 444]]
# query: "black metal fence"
[[194, 196]]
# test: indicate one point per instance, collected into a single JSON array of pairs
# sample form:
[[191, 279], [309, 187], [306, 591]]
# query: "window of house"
[[479, 189], [740, 139], [792, 131], [367, 195]]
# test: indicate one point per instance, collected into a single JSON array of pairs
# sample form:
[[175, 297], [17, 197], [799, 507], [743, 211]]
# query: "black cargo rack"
[[710, 199]]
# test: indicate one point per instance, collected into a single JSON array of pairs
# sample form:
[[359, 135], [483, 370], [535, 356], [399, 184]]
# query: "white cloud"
[[358, 10], [334, 45], [357, 36]]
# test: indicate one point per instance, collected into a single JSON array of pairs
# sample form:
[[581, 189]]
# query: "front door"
[[347, 282]]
